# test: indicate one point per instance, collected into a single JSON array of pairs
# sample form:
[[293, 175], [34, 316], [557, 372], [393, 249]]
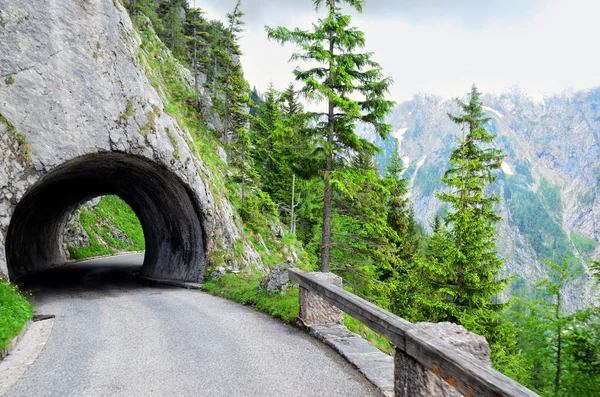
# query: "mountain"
[[548, 182]]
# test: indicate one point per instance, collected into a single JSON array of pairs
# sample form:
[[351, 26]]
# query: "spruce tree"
[[174, 32], [234, 87], [340, 72], [468, 264], [197, 28]]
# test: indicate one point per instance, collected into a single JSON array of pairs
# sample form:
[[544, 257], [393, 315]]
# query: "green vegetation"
[[584, 245], [244, 289], [129, 111], [284, 165], [9, 80], [535, 221], [562, 351], [112, 227], [343, 72], [15, 310]]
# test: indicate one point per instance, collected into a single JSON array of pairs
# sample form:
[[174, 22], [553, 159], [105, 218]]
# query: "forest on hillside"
[[312, 171]]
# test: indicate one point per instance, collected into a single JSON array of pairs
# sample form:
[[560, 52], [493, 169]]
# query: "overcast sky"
[[443, 46]]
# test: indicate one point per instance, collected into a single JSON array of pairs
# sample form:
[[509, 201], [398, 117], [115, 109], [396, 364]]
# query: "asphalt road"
[[115, 336]]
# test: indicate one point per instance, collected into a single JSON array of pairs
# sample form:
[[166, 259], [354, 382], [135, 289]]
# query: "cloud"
[[427, 46], [471, 13]]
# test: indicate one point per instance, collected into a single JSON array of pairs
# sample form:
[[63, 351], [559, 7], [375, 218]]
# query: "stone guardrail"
[[417, 350]]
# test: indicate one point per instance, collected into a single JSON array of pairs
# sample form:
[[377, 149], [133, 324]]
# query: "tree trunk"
[[558, 346], [243, 173], [292, 221], [195, 58], [326, 238]]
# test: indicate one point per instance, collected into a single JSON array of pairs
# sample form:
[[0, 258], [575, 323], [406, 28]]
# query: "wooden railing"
[[468, 376]]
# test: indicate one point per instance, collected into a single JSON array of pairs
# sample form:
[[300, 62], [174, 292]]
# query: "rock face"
[[78, 119], [277, 279]]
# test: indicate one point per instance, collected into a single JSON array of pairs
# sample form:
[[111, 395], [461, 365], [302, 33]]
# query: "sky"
[[442, 47]]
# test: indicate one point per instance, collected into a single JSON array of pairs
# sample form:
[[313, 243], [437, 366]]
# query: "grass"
[[15, 310], [114, 211], [373, 337], [244, 289]]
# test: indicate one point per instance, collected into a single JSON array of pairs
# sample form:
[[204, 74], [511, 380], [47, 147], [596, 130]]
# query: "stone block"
[[315, 310]]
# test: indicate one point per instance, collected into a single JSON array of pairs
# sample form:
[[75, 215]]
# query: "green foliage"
[[149, 8], [15, 310], [340, 72], [464, 262], [173, 34], [244, 289], [562, 351], [534, 221], [584, 245], [104, 223], [373, 337], [9, 80]]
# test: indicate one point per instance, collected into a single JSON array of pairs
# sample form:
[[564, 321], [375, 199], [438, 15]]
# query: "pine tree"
[[147, 8], [468, 265], [233, 85], [174, 32], [554, 287], [362, 243], [341, 71], [197, 29], [400, 217]]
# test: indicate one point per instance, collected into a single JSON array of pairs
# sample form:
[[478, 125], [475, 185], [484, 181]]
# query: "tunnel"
[[170, 217]]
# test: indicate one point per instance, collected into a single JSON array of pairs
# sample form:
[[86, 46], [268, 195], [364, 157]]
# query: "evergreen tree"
[[197, 28], [554, 287], [362, 243], [340, 72], [467, 265], [147, 8], [460, 271], [400, 215], [234, 87], [173, 33]]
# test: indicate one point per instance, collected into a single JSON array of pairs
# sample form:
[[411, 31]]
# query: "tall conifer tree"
[[340, 71], [467, 263]]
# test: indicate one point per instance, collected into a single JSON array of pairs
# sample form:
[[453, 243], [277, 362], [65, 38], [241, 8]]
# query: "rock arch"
[[170, 217]]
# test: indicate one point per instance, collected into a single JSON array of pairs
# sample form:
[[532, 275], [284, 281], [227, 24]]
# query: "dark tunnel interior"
[[171, 220]]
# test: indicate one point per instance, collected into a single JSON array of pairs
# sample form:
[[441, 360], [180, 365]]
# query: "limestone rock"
[[75, 236], [218, 273], [457, 336], [78, 89], [277, 279]]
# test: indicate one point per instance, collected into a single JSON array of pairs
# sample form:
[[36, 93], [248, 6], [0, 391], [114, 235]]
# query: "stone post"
[[315, 310], [413, 380]]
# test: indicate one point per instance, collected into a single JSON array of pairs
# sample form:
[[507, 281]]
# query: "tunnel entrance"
[[102, 226], [171, 220]]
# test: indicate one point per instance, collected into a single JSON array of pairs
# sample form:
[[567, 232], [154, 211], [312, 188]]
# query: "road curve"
[[115, 336]]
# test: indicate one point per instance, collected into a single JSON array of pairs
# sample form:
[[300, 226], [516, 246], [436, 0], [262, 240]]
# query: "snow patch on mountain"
[[506, 168], [494, 111]]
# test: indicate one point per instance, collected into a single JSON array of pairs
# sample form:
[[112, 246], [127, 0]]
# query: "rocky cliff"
[[74, 81], [548, 182]]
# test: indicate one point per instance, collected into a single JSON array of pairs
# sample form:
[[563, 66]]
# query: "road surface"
[[115, 336]]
